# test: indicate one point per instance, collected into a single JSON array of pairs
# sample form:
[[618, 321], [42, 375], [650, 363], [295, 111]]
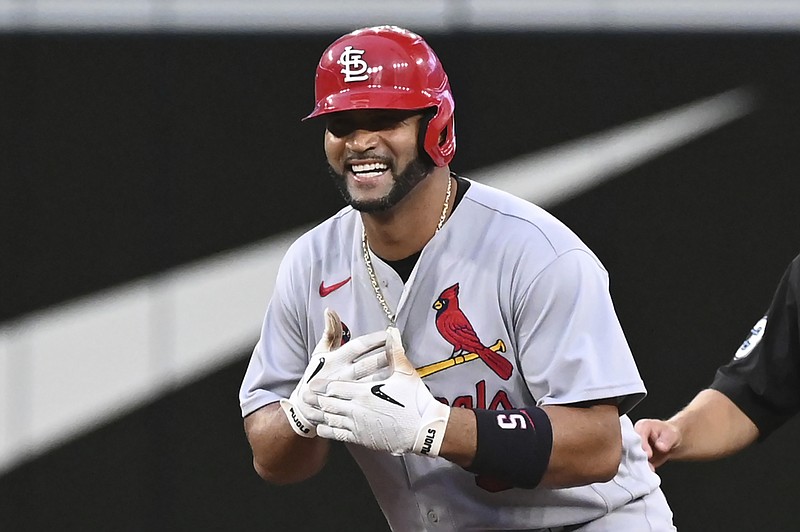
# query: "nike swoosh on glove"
[[398, 414], [362, 358]]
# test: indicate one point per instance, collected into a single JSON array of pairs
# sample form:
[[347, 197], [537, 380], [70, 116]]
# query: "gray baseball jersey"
[[537, 299]]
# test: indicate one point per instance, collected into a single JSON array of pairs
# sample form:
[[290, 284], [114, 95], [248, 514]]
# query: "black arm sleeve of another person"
[[763, 379]]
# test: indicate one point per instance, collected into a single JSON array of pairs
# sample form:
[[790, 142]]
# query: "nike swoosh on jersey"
[[326, 290], [380, 394]]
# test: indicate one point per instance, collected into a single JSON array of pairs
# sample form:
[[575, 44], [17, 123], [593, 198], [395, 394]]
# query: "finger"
[[657, 462], [667, 438], [312, 414], [666, 441], [361, 346], [347, 390], [647, 445], [644, 429], [369, 365], [334, 405], [333, 329], [380, 375], [316, 387], [310, 396], [648, 449], [336, 421], [396, 353], [333, 433]]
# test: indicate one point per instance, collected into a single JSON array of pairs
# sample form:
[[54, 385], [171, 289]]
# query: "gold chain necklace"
[[371, 271]]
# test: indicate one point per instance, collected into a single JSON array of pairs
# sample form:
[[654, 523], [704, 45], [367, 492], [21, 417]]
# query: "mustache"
[[404, 182], [350, 158]]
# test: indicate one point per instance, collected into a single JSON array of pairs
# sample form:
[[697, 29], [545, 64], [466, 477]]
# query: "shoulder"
[[328, 243], [315, 243], [793, 271], [788, 289], [520, 226]]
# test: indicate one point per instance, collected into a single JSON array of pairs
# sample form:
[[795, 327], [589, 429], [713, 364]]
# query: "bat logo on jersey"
[[454, 326], [355, 68]]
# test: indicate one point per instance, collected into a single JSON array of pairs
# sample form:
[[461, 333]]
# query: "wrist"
[[461, 438], [432, 430], [299, 423], [513, 445]]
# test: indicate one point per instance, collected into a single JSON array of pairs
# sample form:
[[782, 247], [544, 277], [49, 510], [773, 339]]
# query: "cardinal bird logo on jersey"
[[453, 325]]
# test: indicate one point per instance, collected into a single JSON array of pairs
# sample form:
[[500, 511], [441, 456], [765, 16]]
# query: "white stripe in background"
[[67, 369], [567, 170]]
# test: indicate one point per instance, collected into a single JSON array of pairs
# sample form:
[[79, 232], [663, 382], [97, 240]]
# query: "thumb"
[[396, 353], [332, 335], [667, 439]]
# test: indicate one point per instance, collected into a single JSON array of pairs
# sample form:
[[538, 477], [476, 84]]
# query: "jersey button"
[[433, 517]]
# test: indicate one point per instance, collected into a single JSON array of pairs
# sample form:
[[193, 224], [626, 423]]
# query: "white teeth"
[[378, 168]]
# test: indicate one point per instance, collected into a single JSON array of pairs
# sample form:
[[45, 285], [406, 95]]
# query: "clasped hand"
[[366, 392], [397, 414], [363, 358]]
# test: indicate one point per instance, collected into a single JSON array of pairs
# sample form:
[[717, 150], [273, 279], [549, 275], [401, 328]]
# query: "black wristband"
[[513, 445]]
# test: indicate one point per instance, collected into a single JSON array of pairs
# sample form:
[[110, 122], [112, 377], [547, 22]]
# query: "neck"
[[409, 225]]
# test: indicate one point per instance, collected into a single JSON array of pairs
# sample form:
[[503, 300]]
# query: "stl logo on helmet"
[[355, 68]]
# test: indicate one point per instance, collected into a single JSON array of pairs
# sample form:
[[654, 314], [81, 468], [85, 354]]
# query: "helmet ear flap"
[[424, 124], [440, 136]]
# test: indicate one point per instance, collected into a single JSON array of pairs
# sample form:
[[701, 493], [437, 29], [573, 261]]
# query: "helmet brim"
[[373, 97]]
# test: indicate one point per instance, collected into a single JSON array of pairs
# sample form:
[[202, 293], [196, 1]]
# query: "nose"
[[361, 140]]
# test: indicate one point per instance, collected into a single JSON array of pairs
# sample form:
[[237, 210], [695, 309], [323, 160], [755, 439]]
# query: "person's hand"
[[360, 358], [659, 439], [398, 414]]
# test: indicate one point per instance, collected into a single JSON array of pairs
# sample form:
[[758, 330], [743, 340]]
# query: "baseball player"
[[751, 396], [474, 364]]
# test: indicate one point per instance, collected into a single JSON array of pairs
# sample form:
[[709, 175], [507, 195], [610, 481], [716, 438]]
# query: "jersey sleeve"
[[570, 342], [281, 355], [763, 378]]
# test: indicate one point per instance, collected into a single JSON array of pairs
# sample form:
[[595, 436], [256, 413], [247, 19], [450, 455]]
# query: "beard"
[[404, 182]]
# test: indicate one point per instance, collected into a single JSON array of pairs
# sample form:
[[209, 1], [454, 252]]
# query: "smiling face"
[[373, 156]]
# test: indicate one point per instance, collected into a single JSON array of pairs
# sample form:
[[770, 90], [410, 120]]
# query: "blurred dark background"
[[128, 154]]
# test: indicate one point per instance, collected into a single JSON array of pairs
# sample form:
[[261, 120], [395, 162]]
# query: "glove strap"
[[431, 434], [297, 420]]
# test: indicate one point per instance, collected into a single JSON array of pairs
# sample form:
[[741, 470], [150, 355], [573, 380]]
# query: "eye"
[[393, 119], [386, 122], [339, 127]]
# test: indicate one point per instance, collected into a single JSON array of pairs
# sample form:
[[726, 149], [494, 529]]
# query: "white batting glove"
[[360, 358], [398, 414]]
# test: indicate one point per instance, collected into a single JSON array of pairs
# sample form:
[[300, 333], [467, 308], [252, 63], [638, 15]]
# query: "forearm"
[[461, 437], [711, 426], [586, 446], [280, 456]]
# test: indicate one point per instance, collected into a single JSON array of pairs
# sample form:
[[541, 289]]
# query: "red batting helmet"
[[386, 67]]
